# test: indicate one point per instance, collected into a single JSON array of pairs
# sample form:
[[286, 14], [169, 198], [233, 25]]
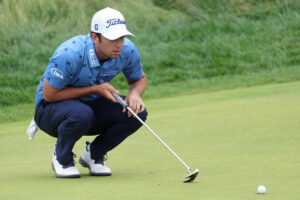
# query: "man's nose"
[[118, 42]]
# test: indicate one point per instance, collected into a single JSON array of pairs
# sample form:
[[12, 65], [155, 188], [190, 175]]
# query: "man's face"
[[106, 49]]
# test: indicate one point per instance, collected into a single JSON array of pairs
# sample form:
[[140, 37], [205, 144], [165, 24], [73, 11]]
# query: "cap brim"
[[115, 34]]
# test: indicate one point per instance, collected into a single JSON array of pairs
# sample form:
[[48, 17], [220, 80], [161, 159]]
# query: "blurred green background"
[[186, 46]]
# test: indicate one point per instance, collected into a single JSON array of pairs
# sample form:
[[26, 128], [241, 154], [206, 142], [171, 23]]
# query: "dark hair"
[[98, 34]]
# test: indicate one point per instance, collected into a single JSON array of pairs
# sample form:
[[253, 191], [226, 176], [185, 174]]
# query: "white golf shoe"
[[97, 168], [64, 172]]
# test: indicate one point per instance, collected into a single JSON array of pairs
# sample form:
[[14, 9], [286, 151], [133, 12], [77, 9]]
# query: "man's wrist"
[[134, 92]]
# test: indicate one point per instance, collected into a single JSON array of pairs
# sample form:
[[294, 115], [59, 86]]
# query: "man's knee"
[[81, 116], [79, 121]]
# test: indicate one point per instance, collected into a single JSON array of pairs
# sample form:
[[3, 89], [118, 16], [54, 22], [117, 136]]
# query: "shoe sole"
[[85, 164], [65, 176]]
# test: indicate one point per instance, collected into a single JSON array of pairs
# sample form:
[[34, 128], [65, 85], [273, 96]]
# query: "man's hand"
[[133, 99], [135, 102], [105, 90]]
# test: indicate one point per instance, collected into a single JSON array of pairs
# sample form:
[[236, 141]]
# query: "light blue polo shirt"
[[75, 64]]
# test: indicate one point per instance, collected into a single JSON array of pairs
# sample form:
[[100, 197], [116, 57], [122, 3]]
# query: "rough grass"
[[179, 41]]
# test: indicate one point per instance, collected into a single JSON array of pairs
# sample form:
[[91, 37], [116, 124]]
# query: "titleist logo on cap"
[[115, 21]]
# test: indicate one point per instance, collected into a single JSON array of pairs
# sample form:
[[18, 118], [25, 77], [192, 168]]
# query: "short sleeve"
[[134, 69], [61, 68]]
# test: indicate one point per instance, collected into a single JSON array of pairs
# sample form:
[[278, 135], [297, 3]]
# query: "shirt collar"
[[91, 52]]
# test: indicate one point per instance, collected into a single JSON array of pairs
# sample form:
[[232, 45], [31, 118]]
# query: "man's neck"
[[101, 58]]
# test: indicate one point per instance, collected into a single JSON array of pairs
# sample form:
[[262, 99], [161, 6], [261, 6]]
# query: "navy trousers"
[[69, 120]]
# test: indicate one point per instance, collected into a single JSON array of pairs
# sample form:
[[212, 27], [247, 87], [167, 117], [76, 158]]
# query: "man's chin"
[[114, 56]]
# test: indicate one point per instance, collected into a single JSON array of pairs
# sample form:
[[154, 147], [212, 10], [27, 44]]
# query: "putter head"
[[191, 177]]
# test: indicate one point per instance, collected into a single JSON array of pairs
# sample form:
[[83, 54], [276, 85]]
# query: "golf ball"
[[261, 189]]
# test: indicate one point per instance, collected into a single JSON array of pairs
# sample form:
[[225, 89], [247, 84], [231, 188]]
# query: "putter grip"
[[120, 100]]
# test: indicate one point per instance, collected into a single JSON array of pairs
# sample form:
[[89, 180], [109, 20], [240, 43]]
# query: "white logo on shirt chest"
[[92, 57]]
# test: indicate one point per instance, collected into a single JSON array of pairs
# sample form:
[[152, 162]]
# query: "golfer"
[[74, 97]]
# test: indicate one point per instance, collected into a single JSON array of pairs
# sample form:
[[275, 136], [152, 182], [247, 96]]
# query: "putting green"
[[238, 139]]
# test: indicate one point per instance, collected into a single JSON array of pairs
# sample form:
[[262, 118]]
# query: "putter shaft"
[[192, 175], [158, 138], [124, 104]]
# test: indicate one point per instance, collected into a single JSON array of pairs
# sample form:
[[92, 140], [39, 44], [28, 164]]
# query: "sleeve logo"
[[57, 73]]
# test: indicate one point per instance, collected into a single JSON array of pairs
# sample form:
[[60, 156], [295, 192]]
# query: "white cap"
[[110, 23]]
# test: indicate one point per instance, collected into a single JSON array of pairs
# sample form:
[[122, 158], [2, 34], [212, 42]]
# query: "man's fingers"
[[138, 108], [135, 103], [129, 114], [131, 104], [106, 90], [142, 107], [111, 97], [111, 89], [124, 109]]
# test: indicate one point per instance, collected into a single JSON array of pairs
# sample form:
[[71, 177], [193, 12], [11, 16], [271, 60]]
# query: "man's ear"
[[95, 38]]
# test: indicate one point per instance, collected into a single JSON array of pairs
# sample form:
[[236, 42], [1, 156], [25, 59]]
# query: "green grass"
[[279, 75], [239, 139], [179, 41]]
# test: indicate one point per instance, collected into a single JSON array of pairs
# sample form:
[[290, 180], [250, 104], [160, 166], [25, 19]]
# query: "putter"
[[192, 175]]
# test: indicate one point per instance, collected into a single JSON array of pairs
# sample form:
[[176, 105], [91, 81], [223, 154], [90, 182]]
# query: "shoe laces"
[[99, 160]]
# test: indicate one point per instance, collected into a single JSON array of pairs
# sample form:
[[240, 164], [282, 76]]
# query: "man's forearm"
[[52, 94], [138, 86]]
